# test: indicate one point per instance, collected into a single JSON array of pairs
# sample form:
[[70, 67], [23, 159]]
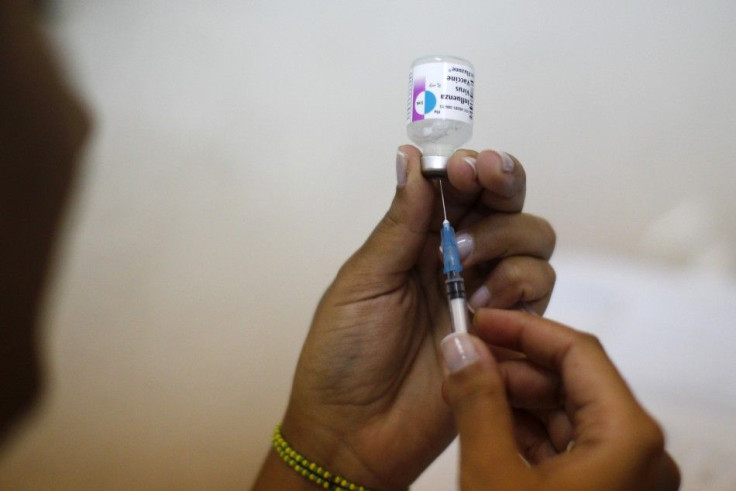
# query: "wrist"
[[329, 449], [274, 474]]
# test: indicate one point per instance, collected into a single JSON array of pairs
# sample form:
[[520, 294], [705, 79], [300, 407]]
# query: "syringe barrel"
[[455, 287], [459, 321]]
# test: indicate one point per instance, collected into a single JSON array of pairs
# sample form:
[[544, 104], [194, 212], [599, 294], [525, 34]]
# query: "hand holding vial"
[[371, 357]]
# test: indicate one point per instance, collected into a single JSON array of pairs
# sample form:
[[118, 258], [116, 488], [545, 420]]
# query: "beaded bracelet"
[[311, 470]]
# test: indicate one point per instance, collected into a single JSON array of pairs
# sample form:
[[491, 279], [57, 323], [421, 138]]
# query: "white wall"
[[244, 149]]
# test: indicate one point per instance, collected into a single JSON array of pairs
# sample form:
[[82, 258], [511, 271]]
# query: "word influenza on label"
[[440, 90]]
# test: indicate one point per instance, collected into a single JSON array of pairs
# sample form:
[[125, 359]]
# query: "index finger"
[[589, 376], [493, 178]]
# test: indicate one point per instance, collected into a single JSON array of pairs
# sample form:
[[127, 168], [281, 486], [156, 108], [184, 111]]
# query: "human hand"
[[581, 427], [366, 399]]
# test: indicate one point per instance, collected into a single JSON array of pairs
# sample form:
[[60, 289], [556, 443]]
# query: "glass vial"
[[439, 115]]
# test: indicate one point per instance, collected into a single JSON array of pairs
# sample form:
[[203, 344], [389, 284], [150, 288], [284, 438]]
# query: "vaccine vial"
[[439, 116]]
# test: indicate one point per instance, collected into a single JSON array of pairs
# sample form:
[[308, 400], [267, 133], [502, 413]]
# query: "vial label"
[[441, 90]]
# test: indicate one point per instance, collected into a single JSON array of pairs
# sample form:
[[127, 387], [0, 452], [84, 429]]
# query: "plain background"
[[244, 149]]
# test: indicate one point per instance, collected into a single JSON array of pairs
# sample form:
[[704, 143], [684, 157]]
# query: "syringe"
[[454, 283]]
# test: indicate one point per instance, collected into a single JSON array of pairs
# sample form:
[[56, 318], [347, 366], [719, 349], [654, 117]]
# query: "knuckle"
[[652, 437], [590, 340], [524, 279], [551, 275], [511, 275], [476, 387], [391, 219], [548, 235]]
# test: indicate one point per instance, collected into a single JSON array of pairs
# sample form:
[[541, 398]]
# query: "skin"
[[566, 373], [366, 399], [367, 387], [42, 130]]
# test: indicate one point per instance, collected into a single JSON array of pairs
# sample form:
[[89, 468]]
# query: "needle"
[[442, 195], [454, 284]]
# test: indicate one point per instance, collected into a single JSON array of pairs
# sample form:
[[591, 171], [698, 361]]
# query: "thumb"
[[399, 238], [477, 396]]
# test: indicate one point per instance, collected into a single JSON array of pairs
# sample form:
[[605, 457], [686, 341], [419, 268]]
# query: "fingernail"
[[401, 162], [471, 163], [507, 163], [464, 245], [480, 298], [458, 351]]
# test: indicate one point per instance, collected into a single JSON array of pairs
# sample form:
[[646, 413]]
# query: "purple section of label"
[[419, 86]]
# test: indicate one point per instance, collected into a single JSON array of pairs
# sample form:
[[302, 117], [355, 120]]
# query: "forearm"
[[275, 474], [327, 462]]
